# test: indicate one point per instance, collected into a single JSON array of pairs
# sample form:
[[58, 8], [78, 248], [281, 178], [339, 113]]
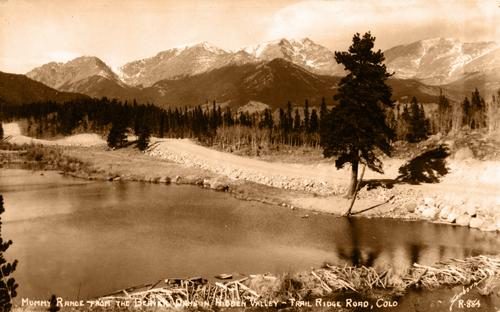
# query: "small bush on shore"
[[44, 157], [8, 284]]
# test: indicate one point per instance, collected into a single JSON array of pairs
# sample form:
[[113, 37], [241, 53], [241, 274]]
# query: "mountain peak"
[[284, 41], [59, 75], [440, 39], [86, 58], [181, 61], [209, 47], [303, 52], [203, 45]]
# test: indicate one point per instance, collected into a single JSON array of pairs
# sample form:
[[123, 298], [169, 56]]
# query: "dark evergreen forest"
[[213, 125]]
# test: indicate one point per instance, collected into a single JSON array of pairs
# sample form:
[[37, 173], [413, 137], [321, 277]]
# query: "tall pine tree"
[[356, 127], [306, 116], [478, 111], [314, 122], [467, 113], [323, 112], [444, 114], [117, 137], [296, 121], [418, 124], [143, 138]]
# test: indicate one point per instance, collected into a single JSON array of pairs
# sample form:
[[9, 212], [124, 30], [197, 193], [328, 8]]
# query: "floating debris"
[[224, 276]]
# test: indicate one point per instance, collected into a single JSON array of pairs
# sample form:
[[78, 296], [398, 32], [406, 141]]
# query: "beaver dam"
[[368, 287], [87, 239]]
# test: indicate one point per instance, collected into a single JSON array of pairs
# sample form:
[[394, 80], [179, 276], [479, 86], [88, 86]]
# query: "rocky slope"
[[180, 62], [62, 76], [87, 75], [98, 86], [439, 60], [482, 73], [273, 83]]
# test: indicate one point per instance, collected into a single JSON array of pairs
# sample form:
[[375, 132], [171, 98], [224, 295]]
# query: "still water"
[[81, 239]]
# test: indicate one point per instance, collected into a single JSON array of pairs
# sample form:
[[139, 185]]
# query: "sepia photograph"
[[249, 155]]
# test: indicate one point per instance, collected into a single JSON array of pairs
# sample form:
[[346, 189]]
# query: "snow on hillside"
[[303, 52], [438, 60], [252, 107]]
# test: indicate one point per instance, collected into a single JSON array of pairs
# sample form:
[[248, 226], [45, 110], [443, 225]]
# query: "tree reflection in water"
[[366, 246], [354, 255]]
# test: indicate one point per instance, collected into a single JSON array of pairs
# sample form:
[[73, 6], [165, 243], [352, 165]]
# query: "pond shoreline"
[[405, 202], [89, 169]]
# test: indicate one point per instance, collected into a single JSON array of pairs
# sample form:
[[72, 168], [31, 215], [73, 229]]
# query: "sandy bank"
[[12, 133]]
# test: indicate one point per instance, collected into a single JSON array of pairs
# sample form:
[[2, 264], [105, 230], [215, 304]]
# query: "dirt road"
[[321, 178]]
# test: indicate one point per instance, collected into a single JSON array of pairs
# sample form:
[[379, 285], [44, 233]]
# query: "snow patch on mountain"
[[253, 107], [435, 61], [179, 62], [303, 52]]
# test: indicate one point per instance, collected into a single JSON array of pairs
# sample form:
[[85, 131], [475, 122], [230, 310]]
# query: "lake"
[[81, 239]]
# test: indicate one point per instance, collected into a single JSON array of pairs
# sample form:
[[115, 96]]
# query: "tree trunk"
[[354, 179], [356, 184]]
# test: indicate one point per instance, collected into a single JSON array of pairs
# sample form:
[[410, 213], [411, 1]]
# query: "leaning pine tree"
[[356, 127], [8, 284]]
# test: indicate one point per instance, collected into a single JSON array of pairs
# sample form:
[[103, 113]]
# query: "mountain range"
[[274, 72]]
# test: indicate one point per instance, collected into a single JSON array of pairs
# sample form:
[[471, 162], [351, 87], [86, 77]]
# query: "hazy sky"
[[34, 32]]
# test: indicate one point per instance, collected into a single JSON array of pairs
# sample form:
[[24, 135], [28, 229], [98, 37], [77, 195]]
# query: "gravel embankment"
[[310, 178]]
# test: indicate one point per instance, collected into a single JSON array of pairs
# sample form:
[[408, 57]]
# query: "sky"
[[34, 32]]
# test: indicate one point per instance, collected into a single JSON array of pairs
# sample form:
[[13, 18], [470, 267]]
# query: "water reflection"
[[359, 255], [77, 238], [385, 243]]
